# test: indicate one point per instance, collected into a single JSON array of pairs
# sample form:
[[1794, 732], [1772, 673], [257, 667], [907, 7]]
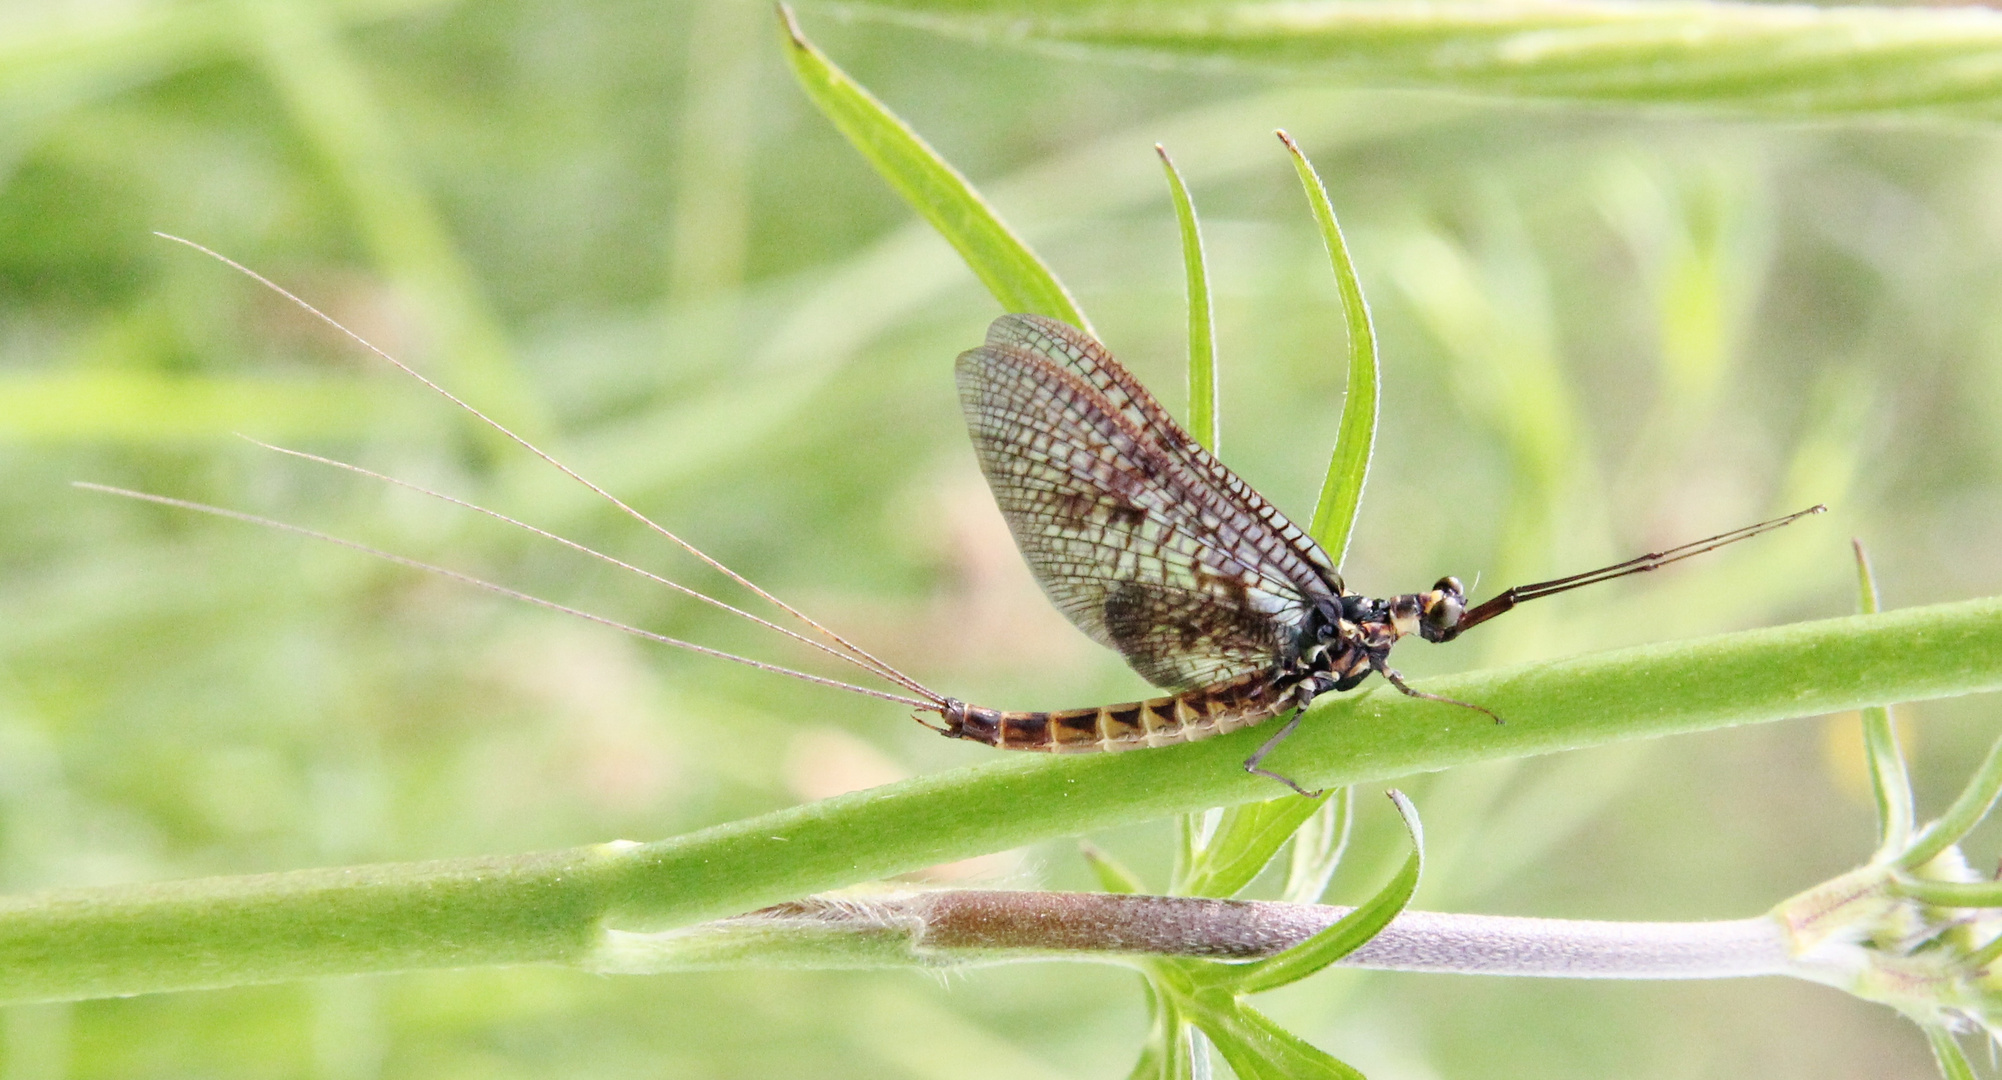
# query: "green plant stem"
[[212, 932], [1769, 59], [550, 907]]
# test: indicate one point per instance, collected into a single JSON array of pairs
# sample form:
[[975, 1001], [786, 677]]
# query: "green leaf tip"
[[1204, 422], [791, 26], [1013, 273], [1348, 467], [1113, 876]]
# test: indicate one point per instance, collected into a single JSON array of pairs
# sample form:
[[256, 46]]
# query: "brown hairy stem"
[[941, 923]]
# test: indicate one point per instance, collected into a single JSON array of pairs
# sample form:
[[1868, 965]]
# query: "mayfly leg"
[[1255, 763], [841, 646]]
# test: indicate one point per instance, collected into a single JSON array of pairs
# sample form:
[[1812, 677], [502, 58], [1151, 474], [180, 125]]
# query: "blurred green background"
[[619, 227]]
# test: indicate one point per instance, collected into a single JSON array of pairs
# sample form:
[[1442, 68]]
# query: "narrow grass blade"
[[1353, 931], [1002, 262], [1341, 492], [1888, 779], [1204, 422], [1960, 818], [1246, 840]]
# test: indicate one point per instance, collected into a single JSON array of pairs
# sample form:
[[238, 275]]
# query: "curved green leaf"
[[1204, 422], [999, 258], [1352, 931], [1348, 469]]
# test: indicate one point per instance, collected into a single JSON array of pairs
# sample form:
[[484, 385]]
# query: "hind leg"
[[1251, 764]]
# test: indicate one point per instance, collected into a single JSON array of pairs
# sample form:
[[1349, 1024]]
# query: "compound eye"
[[1443, 607], [1449, 585]]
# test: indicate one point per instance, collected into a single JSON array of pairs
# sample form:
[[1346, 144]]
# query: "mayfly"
[[1140, 536]]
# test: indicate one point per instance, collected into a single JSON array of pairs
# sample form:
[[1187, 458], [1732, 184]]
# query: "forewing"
[[1130, 543], [1295, 555]]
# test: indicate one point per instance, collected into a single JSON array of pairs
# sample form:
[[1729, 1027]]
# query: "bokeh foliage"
[[621, 227]]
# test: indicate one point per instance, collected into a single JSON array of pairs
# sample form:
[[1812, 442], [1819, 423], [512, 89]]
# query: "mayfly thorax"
[[1141, 537]]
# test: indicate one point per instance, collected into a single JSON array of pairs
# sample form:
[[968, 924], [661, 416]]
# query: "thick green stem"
[[548, 907], [212, 932]]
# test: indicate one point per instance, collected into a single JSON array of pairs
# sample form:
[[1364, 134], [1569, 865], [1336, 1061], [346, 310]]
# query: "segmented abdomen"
[[1197, 714]]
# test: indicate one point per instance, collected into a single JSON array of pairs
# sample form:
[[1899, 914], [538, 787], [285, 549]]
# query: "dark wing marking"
[[1148, 550], [1182, 638]]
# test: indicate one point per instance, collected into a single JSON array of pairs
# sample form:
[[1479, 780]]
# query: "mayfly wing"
[[1143, 546], [1084, 357]]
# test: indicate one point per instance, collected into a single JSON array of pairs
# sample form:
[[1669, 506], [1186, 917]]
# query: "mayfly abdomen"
[[1187, 717]]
